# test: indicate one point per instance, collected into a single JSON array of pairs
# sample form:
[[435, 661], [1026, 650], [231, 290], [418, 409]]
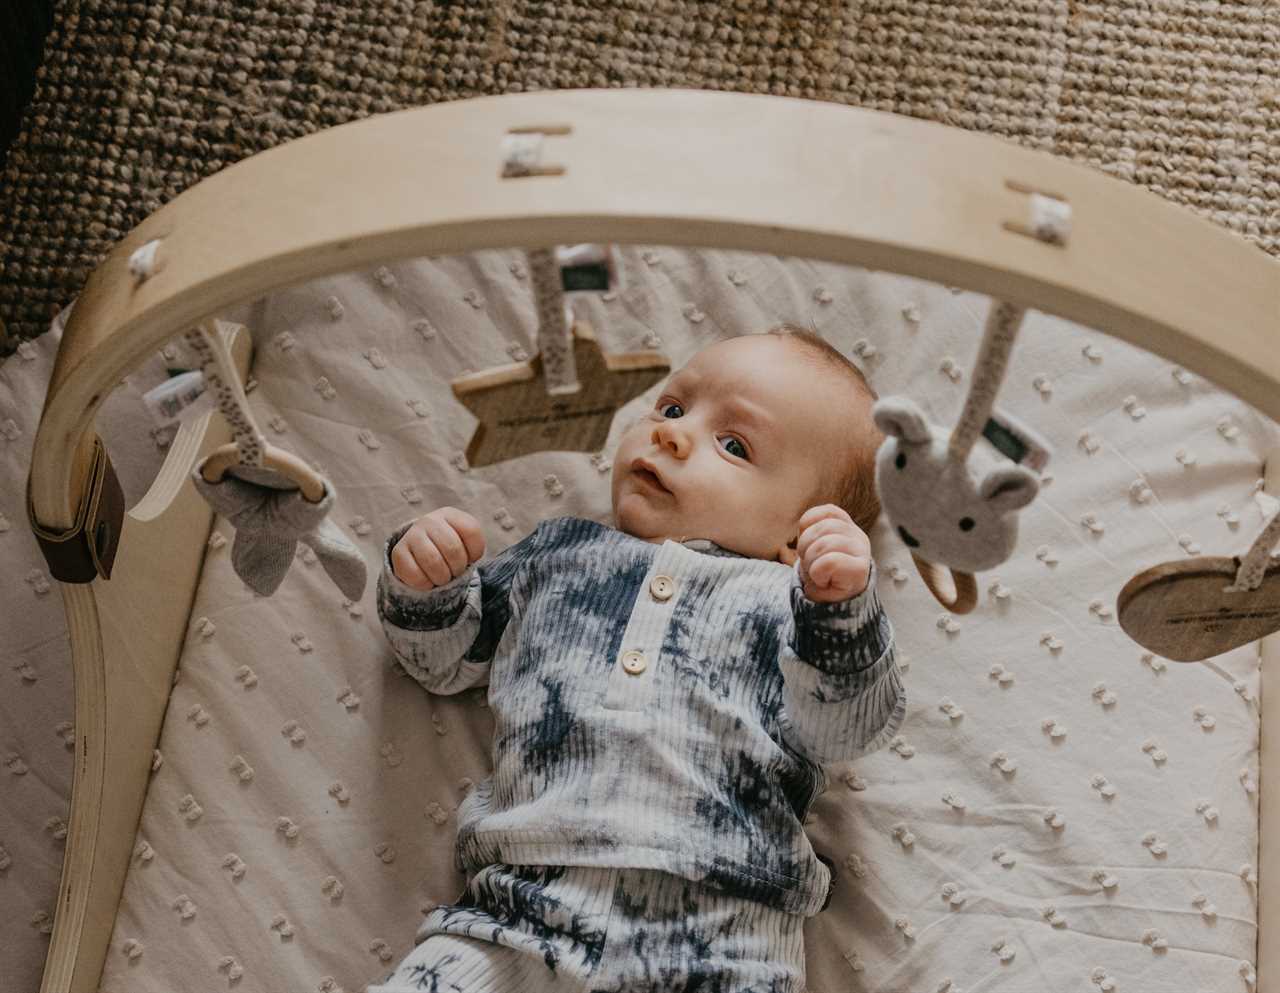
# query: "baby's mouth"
[[649, 478]]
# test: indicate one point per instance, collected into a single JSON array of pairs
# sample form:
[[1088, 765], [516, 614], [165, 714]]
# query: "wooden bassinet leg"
[[127, 635]]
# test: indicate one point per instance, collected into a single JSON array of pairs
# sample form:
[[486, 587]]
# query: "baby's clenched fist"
[[835, 555], [437, 547]]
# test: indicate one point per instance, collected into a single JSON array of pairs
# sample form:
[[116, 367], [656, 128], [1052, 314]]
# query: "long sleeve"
[[446, 637], [843, 694]]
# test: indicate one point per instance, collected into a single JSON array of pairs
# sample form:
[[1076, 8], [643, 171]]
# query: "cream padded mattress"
[[1061, 811]]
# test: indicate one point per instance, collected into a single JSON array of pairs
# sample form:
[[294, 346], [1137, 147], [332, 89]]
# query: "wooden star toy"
[[518, 416]]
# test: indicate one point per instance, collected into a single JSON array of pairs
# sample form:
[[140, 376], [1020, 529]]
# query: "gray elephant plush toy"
[[936, 505]]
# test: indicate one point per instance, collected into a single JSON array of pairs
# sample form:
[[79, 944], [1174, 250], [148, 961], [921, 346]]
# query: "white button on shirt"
[[662, 588], [634, 662]]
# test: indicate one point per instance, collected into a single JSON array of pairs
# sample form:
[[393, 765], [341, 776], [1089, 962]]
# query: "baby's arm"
[[445, 635], [842, 693]]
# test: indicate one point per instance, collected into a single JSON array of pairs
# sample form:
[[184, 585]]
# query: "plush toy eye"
[[966, 524], [901, 460]]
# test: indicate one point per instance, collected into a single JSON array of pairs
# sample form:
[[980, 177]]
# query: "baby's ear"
[[899, 417]]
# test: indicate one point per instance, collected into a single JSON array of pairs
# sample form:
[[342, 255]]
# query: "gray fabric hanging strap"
[[555, 339], [1253, 567], [1003, 322], [209, 344]]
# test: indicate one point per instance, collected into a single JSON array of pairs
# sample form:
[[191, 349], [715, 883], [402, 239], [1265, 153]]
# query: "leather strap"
[[88, 549]]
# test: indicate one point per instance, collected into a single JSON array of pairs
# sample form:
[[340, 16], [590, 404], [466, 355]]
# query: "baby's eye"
[[740, 451]]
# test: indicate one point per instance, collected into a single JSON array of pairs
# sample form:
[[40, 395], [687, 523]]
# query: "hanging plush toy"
[[945, 514], [272, 498]]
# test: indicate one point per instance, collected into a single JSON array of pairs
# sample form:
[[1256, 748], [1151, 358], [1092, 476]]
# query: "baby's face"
[[738, 443]]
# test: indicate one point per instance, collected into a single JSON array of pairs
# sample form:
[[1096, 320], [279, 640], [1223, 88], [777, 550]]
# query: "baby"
[[665, 692]]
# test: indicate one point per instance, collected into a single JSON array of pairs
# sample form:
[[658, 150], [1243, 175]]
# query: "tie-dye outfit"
[[662, 713]]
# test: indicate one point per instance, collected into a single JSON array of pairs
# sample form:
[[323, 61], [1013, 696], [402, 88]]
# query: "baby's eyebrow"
[[754, 415], [749, 412]]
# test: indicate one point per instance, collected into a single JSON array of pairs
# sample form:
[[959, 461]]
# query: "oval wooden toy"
[[1187, 611]]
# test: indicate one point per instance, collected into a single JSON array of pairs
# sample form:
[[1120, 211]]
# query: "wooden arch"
[[680, 167]]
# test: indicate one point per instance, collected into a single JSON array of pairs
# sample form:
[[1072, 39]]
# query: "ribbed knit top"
[[664, 706]]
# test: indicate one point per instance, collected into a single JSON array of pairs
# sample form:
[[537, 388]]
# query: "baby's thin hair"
[[850, 480]]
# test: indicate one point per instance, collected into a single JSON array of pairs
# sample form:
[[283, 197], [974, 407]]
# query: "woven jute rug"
[[139, 100]]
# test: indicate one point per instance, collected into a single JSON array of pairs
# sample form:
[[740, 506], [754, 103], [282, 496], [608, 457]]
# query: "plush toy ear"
[[899, 417], [1009, 487]]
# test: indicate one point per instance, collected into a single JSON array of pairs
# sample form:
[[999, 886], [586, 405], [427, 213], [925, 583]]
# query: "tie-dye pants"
[[521, 929]]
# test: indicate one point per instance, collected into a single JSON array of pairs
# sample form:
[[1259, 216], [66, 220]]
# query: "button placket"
[[632, 681]]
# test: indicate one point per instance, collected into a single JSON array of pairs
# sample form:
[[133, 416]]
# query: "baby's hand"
[[437, 547], [835, 555]]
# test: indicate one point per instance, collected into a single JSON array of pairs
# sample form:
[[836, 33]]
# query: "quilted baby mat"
[[1060, 810]]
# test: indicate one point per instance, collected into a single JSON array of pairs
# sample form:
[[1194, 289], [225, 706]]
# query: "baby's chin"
[[633, 516], [636, 521], [648, 525]]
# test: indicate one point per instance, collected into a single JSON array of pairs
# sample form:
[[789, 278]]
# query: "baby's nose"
[[669, 435]]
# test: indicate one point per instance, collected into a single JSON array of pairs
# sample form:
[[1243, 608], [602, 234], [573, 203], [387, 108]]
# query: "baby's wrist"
[[841, 607]]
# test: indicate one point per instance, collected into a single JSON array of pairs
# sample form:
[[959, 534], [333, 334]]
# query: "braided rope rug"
[[139, 99]]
